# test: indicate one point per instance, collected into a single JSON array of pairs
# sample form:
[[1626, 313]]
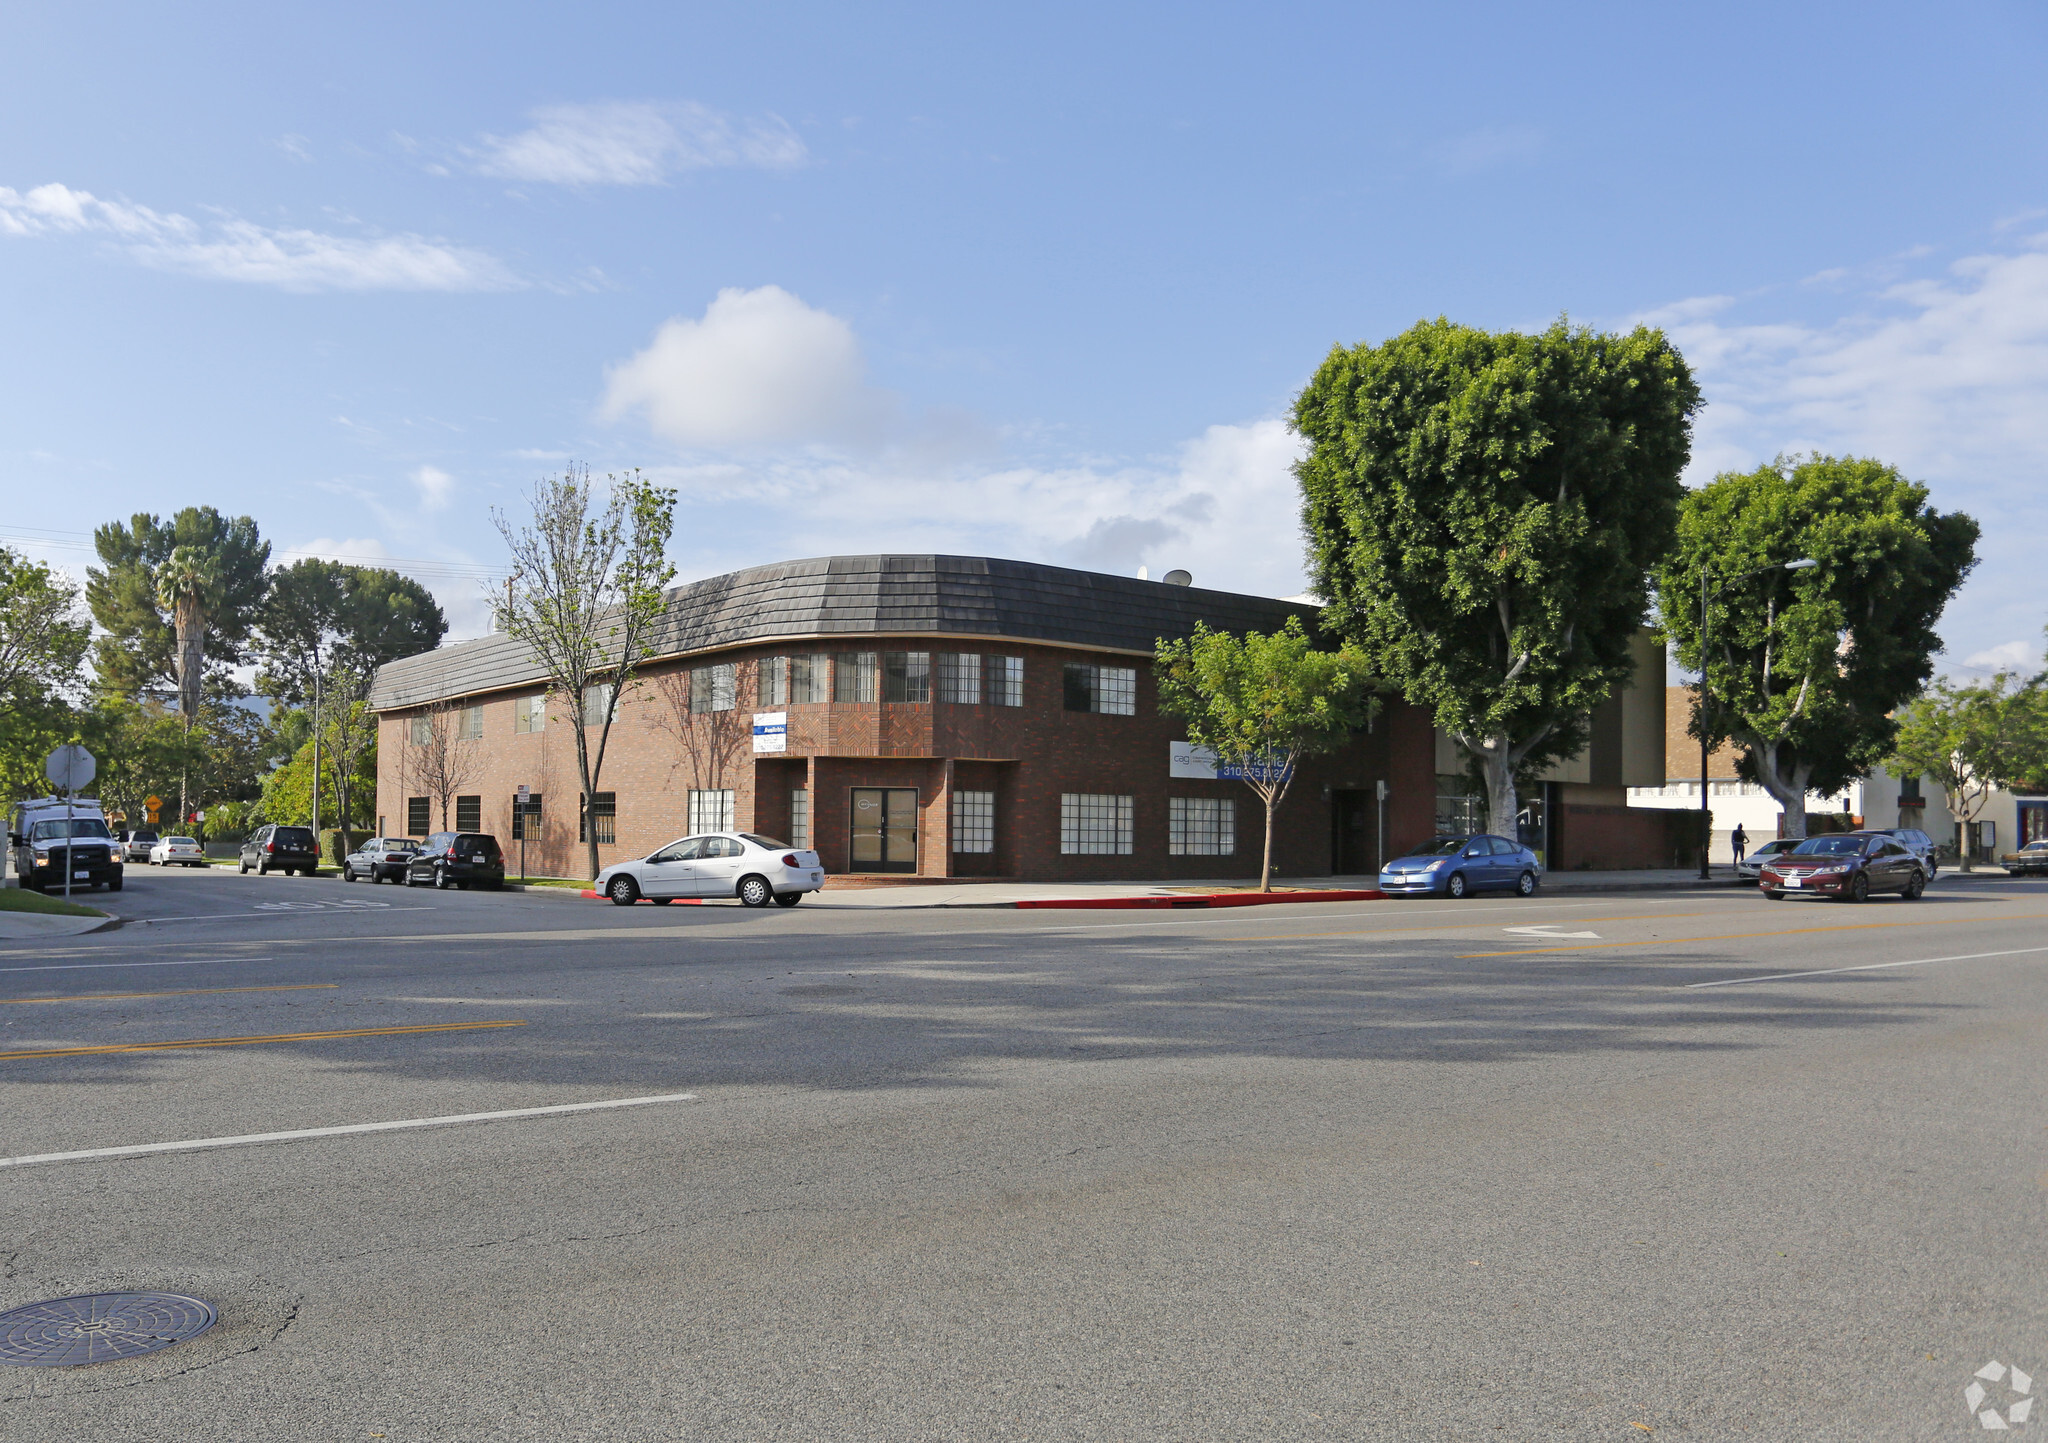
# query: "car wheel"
[[623, 891], [1859, 888], [241, 869], [263, 869], [1455, 888], [1526, 884], [788, 899], [1915, 885], [115, 885], [348, 873], [440, 879], [755, 892], [661, 901], [1775, 896]]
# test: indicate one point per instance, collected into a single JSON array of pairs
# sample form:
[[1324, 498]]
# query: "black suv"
[[281, 849], [457, 859]]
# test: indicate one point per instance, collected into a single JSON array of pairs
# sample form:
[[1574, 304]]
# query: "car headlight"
[[1439, 864]]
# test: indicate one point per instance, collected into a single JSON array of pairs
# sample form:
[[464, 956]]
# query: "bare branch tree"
[[708, 743], [443, 759], [586, 596]]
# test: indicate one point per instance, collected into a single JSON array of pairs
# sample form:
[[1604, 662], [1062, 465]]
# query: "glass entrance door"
[[885, 829]]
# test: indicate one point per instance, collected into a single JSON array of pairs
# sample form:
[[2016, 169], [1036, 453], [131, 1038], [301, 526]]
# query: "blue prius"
[[1454, 866]]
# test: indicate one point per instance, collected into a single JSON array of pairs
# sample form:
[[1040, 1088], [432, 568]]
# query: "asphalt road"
[[1374, 1171]]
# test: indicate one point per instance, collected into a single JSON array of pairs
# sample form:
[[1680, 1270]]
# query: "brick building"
[[938, 716]]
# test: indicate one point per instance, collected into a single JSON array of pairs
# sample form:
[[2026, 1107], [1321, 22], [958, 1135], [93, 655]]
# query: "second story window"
[[530, 713], [472, 727], [959, 678], [1108, 690], [853, 676], [906, 676], [1003, 680], [597, 700], [422, 731], [714, 688], [799, 680]]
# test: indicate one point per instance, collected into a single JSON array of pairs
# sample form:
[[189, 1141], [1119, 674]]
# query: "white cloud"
[[1487, 147], [2022, 656], [635, 142], [436, 487], [1941, 374], [761, 368], [232, 249], [463, 587]]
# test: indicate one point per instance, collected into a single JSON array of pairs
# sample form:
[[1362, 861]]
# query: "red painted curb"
[[1208, 899]]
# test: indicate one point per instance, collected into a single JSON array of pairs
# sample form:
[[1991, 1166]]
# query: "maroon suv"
[[1847, 866]]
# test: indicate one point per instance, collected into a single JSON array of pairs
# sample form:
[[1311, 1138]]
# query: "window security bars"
[[907, 676], [1091, 825], [601, 814], [714, 688], [711, 811], [526, 819], [800, 817], [959, 675], [796, 680], [853, 676], [469, 814], [1201, 826], [974, 821], [1108, 690], [419, 817], [530, 714]]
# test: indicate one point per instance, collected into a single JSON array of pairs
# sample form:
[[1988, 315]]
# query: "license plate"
[[1792, 881], [80, 876]]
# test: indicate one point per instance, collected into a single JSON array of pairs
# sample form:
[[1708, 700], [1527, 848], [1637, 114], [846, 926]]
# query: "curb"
[[1198, 899]]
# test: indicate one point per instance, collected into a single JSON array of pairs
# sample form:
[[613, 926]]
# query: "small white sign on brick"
[[771, 731]]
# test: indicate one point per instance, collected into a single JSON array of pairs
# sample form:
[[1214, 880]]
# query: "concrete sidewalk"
[[36, 926]]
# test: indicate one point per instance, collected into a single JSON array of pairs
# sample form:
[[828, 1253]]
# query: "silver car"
[[177, 852], [756, 869], [1751, 867]]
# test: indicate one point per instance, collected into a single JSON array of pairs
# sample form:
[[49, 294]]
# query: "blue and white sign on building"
[[1186, 761], [771, 731]]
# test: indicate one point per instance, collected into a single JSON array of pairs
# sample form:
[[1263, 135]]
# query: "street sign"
[[154, 806], [70, 767], [523, 794]]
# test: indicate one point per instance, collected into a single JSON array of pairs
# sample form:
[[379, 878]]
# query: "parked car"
[[274, 848], [1454, 866], [380, 859], [55, 837], [1751, 867], [1919, 844], [134, 846], [456, 859], [177, 852], [1848, 866], [2029, 861], [756, 869]]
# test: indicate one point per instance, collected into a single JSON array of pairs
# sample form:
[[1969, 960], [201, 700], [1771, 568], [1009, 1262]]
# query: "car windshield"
[[400, 844], [80, 827], [1442, 847], [1832, 847], [768, 842]]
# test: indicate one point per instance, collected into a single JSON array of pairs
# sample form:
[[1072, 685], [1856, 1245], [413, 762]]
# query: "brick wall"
[[1027, 755]]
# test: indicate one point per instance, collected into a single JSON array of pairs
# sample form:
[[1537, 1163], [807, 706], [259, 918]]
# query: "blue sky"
[[1036, 283]]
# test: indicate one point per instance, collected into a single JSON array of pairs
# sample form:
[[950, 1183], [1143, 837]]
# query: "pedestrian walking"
[[1739, 840]]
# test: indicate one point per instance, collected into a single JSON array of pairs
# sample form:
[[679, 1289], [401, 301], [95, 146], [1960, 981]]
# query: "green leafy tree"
[[1806, 668], [1483, 511], [1973, 740], [144, 750], [43, 631], [586, 597], [288, 791], [138, 651], [1262, 703]]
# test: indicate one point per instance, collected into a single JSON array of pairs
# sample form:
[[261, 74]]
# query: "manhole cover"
[[99, 1328]]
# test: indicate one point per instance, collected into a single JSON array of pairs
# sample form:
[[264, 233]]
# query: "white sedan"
[[177, 852], [756, 869]]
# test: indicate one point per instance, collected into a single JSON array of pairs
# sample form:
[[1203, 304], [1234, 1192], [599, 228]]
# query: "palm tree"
[[188, 585]]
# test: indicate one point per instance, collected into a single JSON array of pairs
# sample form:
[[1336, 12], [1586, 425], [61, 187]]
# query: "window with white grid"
[[974, 821], [960, 677], [799, 818], [472, 725], [1108, 690], [907, 676], [853, 676], [1004, 677], [1093, 825], [714, 688], [530, 713], [711, 811], [1201, 826]]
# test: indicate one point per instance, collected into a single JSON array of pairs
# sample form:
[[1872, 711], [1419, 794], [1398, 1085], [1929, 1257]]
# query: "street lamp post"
[[1805, 563]]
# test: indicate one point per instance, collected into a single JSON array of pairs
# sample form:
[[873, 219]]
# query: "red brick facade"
[[1026, 755]]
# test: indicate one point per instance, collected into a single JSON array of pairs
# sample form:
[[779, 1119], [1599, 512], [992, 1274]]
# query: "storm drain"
[[99, 1328]]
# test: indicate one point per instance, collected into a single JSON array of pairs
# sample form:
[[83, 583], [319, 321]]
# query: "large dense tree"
[[138, 649], [1483, 510], [1804, 669], [586, 597], [43, 631], [1262, 703]]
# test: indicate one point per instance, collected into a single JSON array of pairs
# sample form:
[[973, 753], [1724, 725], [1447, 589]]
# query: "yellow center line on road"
[[181, 992], [251, 1041], [1739, 936]]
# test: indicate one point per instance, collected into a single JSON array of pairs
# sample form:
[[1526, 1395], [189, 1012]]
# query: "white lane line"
[[1865, 967], [93, 966], [253, 915], [195, 1144]]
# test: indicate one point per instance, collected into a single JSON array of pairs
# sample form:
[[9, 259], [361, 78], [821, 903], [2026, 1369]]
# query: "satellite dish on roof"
[[1177, 577]]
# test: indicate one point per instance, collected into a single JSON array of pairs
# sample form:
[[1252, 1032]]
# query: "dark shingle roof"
[[873, 595]]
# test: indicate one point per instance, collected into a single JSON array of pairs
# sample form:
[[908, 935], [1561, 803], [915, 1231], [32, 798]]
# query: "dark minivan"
[[280, 849], [457, 859]]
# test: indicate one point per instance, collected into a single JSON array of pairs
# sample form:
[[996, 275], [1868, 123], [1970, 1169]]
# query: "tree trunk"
[[1503, 807], [1266, 860], [1789, 793], [589, 787], [191, 663]]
